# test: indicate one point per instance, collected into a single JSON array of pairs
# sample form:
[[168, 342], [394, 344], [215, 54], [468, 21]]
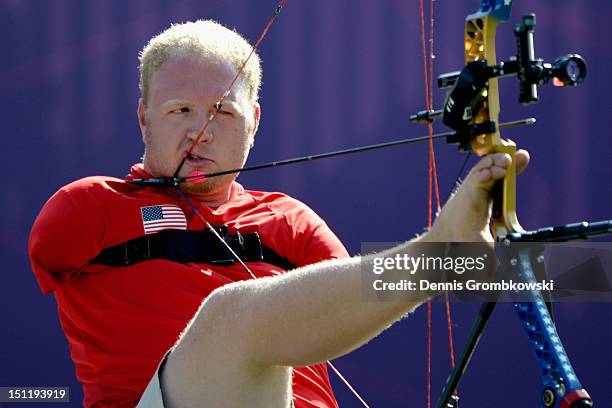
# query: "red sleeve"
[[313, 241], [68, 233]]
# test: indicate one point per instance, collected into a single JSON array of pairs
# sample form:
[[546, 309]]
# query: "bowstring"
[[449, 319], [432, 182], [217, 107]]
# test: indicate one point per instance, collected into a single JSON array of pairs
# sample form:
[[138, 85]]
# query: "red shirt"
[[119, 321]]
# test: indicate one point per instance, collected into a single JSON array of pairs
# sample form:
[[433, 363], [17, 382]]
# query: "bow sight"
[[469, 86]]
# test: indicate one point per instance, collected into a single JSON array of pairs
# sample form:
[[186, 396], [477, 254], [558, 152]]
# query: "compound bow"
[[472, 109]]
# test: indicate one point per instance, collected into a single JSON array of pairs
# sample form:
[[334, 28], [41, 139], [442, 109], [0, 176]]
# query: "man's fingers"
[[484, 163], [488, 175], [502, 160], [522, 160], [498, 172], [493, 166], [495, 159]]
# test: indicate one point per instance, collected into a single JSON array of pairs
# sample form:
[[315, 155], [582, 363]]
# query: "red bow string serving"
[[432, 181]]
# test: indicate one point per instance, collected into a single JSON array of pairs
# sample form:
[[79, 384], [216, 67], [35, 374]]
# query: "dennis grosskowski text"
[[471, 285]]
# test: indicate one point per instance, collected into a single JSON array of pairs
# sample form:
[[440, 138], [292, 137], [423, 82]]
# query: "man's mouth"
[[195, 160], [192, 156]]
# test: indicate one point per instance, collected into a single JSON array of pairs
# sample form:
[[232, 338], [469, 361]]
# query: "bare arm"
[[304, 317], [247, 332]]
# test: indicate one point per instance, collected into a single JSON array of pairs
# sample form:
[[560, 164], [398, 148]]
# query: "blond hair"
[[201, 38]]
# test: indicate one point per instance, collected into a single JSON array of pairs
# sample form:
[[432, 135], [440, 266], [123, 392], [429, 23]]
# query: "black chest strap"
[[191, 246]]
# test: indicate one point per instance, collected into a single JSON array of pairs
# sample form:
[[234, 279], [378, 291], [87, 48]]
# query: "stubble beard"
[[206, 187]]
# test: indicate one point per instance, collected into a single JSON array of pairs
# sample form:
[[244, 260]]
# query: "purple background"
[[336, 74]]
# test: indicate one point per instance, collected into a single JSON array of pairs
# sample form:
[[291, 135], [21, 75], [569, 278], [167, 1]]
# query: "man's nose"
[[202, 133]]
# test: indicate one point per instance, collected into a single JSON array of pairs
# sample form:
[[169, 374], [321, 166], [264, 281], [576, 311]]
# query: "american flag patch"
[[160, 217]]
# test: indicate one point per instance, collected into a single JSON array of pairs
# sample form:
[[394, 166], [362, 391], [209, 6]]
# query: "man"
[[233, 340]]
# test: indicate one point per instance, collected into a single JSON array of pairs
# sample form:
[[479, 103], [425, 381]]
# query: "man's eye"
[[182, 110]]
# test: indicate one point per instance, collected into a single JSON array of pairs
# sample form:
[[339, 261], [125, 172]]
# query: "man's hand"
[[465, 217]]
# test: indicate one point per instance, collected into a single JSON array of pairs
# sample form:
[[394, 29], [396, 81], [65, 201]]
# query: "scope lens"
[[573, 70], [570, 69]]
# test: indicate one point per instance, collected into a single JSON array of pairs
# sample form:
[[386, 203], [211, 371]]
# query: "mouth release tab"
[[196, 177]]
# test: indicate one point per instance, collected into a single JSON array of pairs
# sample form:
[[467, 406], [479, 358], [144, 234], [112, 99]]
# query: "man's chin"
[[198, 188]]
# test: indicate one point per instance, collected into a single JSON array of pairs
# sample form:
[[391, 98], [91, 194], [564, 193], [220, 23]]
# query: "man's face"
[[182, 96]]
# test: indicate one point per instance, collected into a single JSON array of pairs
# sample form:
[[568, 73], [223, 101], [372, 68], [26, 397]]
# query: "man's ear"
[[256, 119], [142, 117]]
